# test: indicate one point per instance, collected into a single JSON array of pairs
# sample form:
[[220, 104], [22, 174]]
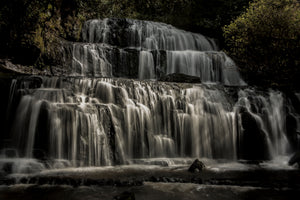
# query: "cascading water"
[[90, 59], [104, 121], [92, 119], [146, 65], [144, 34], [158, 49]]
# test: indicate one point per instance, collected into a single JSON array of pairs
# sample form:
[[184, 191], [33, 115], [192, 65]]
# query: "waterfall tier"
[[100, 60], [103, 121], [144, 35], [147, 50]]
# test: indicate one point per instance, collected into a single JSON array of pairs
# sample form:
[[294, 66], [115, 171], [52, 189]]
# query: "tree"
[[264, 41]]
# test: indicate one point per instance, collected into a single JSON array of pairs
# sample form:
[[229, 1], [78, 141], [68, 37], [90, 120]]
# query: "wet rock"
[[32, 82], [291, 130], [4, 180], [23, 180], [196, 165], [9, 153], [10, 68], [153, 179], [180, 78], [7, 167], [295, 159], [125, 196], [39, 154], [196, 180], [253, 142], [32, 180]]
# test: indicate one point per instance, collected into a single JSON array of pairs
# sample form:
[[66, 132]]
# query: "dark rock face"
[[30, 81], [253, 141], [292, 120], [7, 167], [295, 159], [292, 134], [9, 153], [81, 60], [181, 78], [4, 133], [196, 165], [39, 154], [27, 55], [124, 62]]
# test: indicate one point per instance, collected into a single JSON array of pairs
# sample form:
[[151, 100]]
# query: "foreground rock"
[[148, 191], [129, 176], [196, 165]]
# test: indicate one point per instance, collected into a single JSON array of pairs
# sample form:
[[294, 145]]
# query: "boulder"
[[196, 165]]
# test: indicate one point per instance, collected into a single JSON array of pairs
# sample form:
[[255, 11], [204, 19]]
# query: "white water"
[[94, 122], [270, 117], [145, 35], [90, 60], [210, 66], [113, 43], [146, 66]]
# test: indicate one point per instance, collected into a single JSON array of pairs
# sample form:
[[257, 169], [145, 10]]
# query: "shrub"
[[264, 41]]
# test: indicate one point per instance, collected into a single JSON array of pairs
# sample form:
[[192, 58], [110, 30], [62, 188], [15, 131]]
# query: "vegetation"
[[265, 42], [30, 30]]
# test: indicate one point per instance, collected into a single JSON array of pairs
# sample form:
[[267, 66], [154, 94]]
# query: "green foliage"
[[37, 26], [265, 41], [24, 27], [31, 30], [212, 15]]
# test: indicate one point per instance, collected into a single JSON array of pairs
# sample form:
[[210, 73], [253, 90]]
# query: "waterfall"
[[111, 43], [146, 65], [90, 60], [104, 121], [209, 66], [269, 114], [145, 117], [106, 111], [144, 34]]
